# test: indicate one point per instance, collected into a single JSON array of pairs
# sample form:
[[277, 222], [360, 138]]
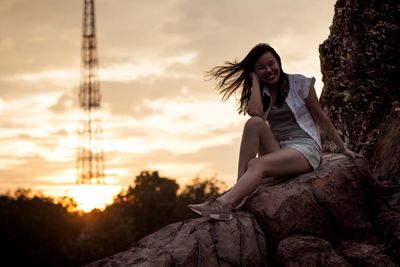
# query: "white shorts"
[[306, 146]]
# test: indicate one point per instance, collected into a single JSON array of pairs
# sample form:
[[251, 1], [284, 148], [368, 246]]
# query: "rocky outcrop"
[[385, 161], [321, 218], [198, 242], [305, 250], [366, 255], [388, 220], [359, 65], [332, 202]]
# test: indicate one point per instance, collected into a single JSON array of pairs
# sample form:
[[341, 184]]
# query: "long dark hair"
[[233, 75]]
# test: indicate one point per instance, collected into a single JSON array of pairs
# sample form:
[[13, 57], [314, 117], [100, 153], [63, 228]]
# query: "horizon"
[[156, 102]]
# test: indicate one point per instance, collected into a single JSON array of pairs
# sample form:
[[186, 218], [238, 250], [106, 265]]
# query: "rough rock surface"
[[385, 162], [198, 242], [310, 251], [317, 203], [333, 205], [388, 220], [321, 218], [360, 68], [359, 65], [366, 255]]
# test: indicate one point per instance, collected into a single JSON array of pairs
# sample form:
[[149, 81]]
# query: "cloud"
[[65, 103], [218, 160], [131, 70], [6, 5], [38, 167], [46, 42], [158, 109], [54, 76]]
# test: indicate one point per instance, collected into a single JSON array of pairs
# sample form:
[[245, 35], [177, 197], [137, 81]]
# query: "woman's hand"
[[346, 151], [254, 78]]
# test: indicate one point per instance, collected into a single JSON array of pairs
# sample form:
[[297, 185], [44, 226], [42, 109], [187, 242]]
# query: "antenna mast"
[[90, 158]]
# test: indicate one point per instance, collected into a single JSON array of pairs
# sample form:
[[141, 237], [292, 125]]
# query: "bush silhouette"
[[39, 231]]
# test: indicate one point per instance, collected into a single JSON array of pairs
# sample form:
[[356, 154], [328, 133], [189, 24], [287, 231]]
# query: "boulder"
[[360, 71], [361, 94], [197, 242], [335, 199], [320, 218], [388, 221], [310, 251], [366, 255]]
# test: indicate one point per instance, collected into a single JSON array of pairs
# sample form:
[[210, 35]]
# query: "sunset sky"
[[159, 110]]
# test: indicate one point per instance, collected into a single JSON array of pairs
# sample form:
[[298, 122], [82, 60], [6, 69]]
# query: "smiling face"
[[268, 70]]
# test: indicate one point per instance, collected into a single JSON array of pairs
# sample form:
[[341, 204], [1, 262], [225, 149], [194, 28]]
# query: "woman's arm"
[[255, 105], [322, 119]]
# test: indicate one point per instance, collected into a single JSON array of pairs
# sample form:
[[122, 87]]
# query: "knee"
[[255, 123], [257, 165]]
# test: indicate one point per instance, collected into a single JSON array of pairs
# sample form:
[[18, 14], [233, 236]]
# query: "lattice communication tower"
[[90, 158]]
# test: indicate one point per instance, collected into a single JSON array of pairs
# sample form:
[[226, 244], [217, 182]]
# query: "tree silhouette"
[[153, 200], [39, 231], [34, 231]]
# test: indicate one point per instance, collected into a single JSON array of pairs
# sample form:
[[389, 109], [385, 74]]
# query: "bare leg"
[[257, 138], [279, 163]]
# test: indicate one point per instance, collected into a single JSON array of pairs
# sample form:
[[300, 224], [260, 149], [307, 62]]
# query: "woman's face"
[[267, 69]]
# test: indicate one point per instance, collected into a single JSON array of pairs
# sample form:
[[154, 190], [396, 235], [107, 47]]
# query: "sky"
[[159, 110]]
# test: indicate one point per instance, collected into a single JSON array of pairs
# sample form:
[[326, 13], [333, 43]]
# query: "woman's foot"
[[213, 208]]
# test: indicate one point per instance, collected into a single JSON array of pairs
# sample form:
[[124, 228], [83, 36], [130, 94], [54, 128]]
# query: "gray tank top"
[[283, 123]]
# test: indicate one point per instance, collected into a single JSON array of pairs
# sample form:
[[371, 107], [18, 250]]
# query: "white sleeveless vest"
[[299, 87]]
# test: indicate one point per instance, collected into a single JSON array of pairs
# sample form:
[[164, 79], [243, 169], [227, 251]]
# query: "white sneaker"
[[213, 208]]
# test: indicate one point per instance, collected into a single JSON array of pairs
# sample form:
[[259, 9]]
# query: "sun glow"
[[89, 197]]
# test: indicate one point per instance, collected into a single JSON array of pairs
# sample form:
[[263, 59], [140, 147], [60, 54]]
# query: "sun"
[[90, 197]]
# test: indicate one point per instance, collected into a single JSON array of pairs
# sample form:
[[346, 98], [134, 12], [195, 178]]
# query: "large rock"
[[335, 199], [306, 215], [360, 71], [198, 242], [385, 161], [300, 219], [308, 251], [388, 220], [366, 255]]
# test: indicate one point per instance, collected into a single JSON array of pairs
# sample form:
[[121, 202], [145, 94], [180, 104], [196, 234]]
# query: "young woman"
[[289, 144]]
